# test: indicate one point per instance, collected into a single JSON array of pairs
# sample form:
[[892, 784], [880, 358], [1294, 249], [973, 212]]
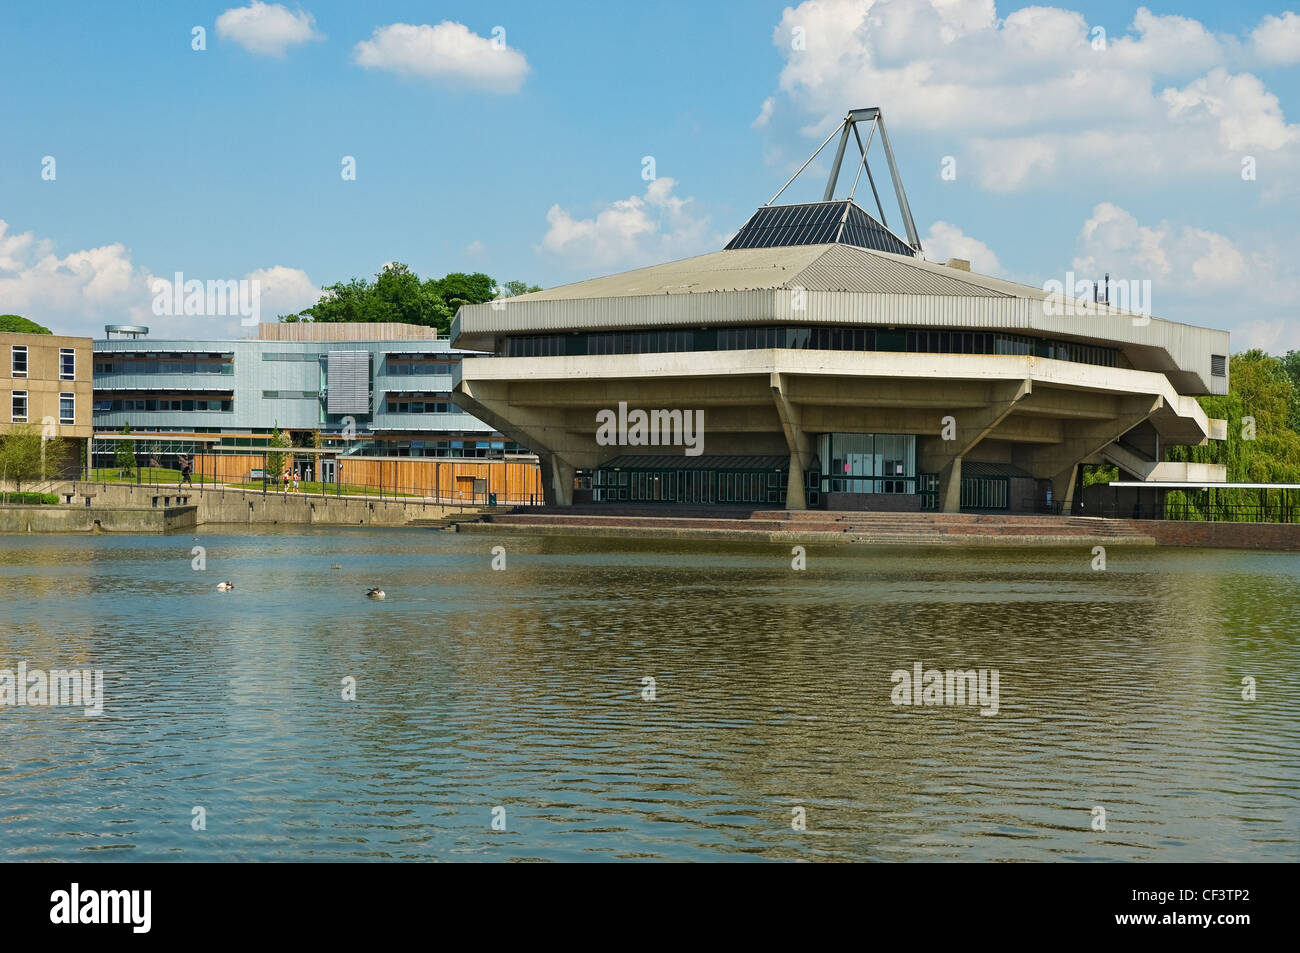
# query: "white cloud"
[[1238, 111], [72, 294], [1197, 275], [447, 51], [82, 291], [16, 249], [1276, 41], [638, 230], [945, 241], [475, 249], [267, 29], [1167, 43], [1113, 240], [284, 290], [1030, 99]]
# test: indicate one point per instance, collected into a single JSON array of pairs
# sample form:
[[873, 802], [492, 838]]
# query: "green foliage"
[[1291, 364], [1099, 474], [1267, 390], [25, 457], [14, 322], [45, 499], [276, 459], [124, 453], [397, 294], [458, 288], [20, 455], [1262, 390]]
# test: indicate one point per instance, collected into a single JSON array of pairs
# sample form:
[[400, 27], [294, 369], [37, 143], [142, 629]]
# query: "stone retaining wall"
[[90, 519]]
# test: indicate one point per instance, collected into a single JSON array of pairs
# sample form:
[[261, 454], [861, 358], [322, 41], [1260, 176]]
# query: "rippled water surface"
[[524, 689]]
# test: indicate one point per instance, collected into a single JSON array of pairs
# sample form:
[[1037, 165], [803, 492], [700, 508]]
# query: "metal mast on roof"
[[804, 166], [849, 124]]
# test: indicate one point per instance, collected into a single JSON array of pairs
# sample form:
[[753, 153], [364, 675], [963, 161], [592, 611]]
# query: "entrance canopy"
[[1156, 485]]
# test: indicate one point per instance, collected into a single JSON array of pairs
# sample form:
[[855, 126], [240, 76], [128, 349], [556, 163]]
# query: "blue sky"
[[526, 162]]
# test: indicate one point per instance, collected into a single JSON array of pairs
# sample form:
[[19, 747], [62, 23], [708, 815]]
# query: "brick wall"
[[1276, 536]]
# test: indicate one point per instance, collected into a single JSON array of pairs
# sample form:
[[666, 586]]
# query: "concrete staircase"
[[454, 521], [1146, 470]]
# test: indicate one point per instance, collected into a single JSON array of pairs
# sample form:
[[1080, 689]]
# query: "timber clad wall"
[[512, 481], [345, 331]]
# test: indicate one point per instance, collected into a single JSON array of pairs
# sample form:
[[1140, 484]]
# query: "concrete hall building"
[[45, 385], [834, 367]]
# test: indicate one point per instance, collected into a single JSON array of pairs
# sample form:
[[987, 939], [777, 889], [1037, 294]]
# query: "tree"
[[397, 294], [276, 459], [1291, 364], [458, 288], [124, 453], [20, 455], [19, 324], [26, 456], [1268, 450]]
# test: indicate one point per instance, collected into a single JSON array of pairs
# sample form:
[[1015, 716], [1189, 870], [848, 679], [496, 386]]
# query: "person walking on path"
[[186, 467]]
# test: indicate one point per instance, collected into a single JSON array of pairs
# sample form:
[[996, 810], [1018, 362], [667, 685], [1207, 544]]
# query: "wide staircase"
[[904, 529], [469, 514]]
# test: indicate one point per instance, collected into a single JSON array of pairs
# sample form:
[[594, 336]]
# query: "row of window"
[[283, 394], [441, 448], [67, 408], [212, 364], [539, 345], [303, 357], [688, 486], [18, 362], [435, 365], [161, 404], [420, 407], [216, 364], [826, 338]]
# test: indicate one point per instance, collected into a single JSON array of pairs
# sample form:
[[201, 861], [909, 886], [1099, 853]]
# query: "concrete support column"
[[795, 499], [1060, 463], [797, 441], [970, 427], [557, 480], [1063, 485], [950, 487]]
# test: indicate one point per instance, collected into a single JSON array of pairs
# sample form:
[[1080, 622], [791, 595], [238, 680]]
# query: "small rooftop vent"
[[126, 330]]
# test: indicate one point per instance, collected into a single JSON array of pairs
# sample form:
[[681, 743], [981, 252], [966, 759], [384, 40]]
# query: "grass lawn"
[[313, 488], [147, 475], [167, 476]]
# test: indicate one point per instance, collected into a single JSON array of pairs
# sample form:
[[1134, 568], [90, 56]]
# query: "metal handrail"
[[266, 489]]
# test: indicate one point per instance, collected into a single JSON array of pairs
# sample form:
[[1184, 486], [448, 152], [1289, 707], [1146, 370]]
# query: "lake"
[[522, 698]]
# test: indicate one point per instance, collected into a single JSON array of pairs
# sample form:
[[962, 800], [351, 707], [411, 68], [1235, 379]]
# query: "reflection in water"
[[523, 689]]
